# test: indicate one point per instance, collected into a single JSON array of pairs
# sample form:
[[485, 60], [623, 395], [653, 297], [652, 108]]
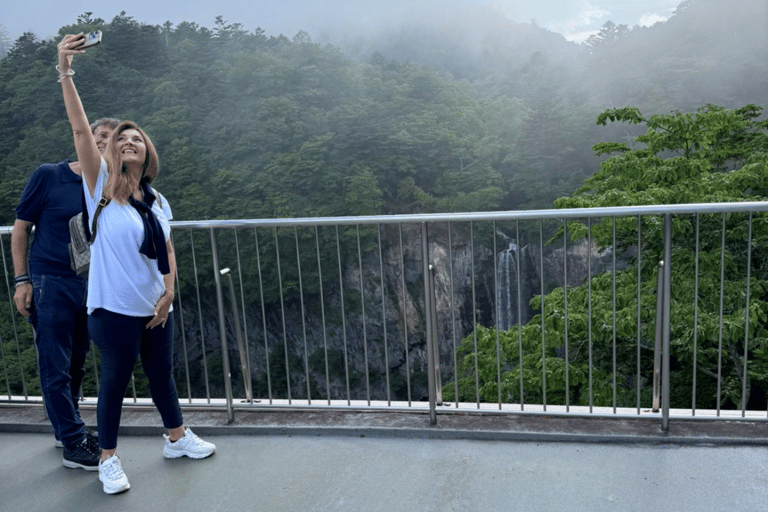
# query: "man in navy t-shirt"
[[52, 297]]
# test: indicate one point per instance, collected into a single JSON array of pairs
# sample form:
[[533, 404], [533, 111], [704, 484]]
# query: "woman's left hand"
[[68, 48], [162, 308]]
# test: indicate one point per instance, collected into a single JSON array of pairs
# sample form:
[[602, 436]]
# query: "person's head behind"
[[102, 129], [122, 183]]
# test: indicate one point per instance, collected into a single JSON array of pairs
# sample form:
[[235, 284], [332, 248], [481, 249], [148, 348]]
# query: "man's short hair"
[[109, 122]]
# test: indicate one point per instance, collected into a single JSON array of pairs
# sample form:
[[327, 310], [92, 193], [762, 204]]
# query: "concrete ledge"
[[415, 425]]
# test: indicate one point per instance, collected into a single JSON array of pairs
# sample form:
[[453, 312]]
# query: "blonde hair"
[[120, 185]]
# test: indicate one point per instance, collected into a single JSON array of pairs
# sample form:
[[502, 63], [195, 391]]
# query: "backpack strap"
[[157, 196], [102, 203], [84, 217]]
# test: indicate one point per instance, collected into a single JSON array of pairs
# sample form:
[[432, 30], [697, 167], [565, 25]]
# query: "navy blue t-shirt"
[[51, 197]]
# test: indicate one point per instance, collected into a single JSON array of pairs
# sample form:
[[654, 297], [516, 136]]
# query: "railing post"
[[428, 318], [239, 334], [659, 330], [667, 296], [222, 330]]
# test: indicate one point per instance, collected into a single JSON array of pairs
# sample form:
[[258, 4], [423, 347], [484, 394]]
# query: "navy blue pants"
[[120, 340], [61, 334]]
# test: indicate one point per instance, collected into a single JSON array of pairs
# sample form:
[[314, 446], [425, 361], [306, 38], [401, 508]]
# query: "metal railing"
[[377, 312]]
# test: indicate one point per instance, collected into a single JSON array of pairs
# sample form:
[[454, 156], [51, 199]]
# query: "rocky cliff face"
[[380, 338]]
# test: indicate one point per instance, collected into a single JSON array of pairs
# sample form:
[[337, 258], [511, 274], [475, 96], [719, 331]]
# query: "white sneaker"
[[189, 445], [112, 475]]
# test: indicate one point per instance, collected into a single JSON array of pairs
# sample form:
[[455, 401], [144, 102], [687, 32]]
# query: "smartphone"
[[91, 39]]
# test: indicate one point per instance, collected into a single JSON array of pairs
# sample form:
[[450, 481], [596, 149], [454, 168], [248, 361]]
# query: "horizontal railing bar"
[[565, 213]]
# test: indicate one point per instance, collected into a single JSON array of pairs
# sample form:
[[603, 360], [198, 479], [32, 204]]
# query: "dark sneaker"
[[85, 454], [59, 444]]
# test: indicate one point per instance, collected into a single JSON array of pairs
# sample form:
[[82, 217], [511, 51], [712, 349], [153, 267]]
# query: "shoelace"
[[113, 469], [90, 445]]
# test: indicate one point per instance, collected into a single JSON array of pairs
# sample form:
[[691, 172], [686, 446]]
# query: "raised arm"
[[87, 153]]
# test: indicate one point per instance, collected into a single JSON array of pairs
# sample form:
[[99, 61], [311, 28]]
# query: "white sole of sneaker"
[[116, 489], [77, 465], [183, 453]]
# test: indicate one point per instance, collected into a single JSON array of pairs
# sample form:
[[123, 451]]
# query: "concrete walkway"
[[332, 473]]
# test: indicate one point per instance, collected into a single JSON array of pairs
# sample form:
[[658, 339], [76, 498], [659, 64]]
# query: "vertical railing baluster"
[[362, 305], [343, 316], [720, 330], [182, 329], [303, 317], [474, 314], [589, 310], [565, 315], [282, 316], [240, 345], [453, 316], [695, 318], [133, 388], [667, 307], [613, 301], [322, 316], [12, 309], [543, 315], [746, 322], [436, 374], [222, 329], [200, 319], [405, 318], [384, 317], [639, 298], [263, 315], [657, 350], [518, 254], [249, 391], [429, 327], [499, 304], [2, 350]]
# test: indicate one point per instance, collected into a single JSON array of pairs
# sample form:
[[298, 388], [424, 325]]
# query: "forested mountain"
[[466, 113]]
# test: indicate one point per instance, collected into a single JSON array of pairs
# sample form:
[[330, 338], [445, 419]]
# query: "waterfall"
[[507, 286]]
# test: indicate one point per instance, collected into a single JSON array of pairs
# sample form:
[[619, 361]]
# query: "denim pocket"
[[38, 285]]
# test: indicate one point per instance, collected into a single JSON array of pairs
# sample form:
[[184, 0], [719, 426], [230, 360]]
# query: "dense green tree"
[[712, 155]]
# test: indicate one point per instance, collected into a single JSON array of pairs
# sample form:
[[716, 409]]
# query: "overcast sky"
[[575, 19]]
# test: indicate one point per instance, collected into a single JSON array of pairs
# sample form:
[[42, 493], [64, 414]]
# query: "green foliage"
[[253, 126], [712, 155]]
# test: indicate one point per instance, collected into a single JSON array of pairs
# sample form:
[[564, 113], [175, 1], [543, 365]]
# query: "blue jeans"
[[120, 339], [60, 320]]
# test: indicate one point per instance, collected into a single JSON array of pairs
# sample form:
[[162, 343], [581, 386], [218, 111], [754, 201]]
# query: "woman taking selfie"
[[131, 277]]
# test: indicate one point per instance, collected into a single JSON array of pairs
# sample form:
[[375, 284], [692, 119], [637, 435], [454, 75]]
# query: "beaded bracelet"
[[22, 279]]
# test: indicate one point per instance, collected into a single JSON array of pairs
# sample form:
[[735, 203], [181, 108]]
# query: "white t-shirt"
[[121, 279]]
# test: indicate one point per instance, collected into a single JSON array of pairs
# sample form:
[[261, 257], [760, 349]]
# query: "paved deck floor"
[[340, 473]]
